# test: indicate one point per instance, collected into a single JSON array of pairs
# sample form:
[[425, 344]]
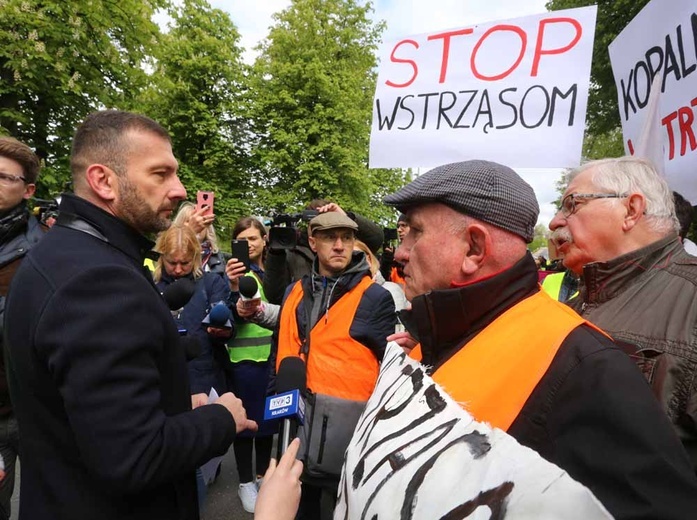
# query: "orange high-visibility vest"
[[395, 277], [494, 374], [337, 364]]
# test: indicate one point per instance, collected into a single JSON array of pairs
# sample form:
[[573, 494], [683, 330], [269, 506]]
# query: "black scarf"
[[13, 222]]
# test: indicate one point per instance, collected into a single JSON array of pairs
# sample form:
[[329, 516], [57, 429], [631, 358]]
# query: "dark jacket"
[[12, 252], [98, 380], [647, 301], [592, 413], [207, 370], [375, 317], [285, 267]]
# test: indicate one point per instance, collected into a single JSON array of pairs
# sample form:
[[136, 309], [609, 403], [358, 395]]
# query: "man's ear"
[[313, 243], [478, 242], [102, 181], [29, 190], [636, 207]]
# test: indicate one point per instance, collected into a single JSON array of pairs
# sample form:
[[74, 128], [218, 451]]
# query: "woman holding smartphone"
[[250, 369]]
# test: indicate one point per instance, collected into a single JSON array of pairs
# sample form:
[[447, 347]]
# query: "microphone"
[[219, 316], [249, 288], [288, 403], [249, 292], [178, 293]]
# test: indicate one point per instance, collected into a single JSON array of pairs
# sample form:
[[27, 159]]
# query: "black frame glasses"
[[568, 203]]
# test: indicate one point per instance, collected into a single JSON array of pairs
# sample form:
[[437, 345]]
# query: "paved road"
[[222, 502]]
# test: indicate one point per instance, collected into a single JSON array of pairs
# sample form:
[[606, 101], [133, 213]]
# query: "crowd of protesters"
[[109, 388]]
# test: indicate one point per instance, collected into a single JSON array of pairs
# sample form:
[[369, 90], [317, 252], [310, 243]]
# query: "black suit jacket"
[[99, 381]]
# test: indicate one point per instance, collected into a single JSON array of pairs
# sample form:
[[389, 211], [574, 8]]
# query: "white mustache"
[[561, 235]]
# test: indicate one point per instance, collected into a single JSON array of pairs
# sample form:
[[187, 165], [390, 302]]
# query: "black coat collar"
[[444, 320], [115, 231]]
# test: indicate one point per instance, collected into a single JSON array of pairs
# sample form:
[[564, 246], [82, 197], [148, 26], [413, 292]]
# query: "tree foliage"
[[61, 60], [313, 86], [197, 91]]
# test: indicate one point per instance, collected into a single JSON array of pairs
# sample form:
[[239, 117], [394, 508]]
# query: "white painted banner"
[[417, 454], [661, 44], [512, 91]]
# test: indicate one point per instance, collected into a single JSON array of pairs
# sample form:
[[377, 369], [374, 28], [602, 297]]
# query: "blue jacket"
[[207, 370]]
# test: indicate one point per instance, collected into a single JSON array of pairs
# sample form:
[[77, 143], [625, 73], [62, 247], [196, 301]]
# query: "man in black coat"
[[95, 369]]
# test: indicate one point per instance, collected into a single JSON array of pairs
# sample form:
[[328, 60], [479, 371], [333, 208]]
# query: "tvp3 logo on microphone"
[[287, 404]]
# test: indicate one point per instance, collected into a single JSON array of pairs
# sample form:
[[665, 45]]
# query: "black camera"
[[283, 233], [44, 209]]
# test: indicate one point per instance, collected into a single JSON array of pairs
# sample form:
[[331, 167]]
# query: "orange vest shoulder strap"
[[494, 374]]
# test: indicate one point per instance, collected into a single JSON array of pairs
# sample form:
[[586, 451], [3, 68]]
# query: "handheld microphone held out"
[[178, 293], [249, 292], [288, 403], [219, 316]]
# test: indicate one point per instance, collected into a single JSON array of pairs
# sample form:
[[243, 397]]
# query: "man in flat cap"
[[522, 361], [337, 320]]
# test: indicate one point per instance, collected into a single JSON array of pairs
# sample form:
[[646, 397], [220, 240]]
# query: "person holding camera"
[[287, 265], [249, 370]]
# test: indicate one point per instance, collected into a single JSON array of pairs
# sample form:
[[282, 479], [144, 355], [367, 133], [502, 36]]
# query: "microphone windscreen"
[[292, 375], [248, 286], [219, 315], [178, 293]]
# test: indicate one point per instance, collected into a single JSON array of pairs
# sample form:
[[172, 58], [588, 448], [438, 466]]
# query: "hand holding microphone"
[[288, 403], [250, 297], [218, 321]]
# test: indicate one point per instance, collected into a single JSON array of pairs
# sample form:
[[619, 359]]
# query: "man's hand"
[[219, 332], [332, 206], [234, 269], [279, 495], [248, 308], [404, 340], [234, 406], [198, 400]]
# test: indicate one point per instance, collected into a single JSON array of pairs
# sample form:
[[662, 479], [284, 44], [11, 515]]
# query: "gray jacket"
[[647, 301]]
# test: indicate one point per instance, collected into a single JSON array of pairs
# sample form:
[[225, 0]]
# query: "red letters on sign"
[[685, 117], [410, 62], [524, 42], [540, 37], [446, 48]]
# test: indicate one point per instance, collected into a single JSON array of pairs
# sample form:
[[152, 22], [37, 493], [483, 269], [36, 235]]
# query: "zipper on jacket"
[[322, 439]]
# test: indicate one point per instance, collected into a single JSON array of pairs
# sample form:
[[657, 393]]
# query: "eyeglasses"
[[568, 203], [8, 179], [331, 238]]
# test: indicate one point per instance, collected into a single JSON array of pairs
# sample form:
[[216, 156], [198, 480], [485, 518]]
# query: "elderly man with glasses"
[[617, 229]]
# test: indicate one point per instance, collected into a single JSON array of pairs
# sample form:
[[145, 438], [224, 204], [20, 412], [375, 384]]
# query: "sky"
[[404, 17]]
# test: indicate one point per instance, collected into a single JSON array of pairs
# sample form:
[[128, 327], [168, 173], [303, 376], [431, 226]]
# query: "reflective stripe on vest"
[[337, 365], [251, 342], [494, 374]]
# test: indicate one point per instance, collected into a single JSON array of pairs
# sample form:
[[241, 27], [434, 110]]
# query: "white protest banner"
[[661, 42], [417, 454], [513, 91]]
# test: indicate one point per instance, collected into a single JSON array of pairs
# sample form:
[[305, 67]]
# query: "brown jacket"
[[647, 301]]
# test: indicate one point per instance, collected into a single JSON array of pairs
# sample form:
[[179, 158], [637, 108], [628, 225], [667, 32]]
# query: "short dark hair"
[[684, 212], [19, 152], [99, 139]]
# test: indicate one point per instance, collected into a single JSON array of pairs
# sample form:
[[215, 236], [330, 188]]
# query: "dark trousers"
[[316, 503], [9, 449]]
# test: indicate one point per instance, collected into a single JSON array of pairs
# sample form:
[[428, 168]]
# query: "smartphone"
[[240, 250], [205, 198]]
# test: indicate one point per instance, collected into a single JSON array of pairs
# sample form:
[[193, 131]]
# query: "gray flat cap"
[[485, 190]]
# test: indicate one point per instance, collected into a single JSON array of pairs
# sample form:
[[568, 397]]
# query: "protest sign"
[[513, 91], [417, 454], [659, 46]]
